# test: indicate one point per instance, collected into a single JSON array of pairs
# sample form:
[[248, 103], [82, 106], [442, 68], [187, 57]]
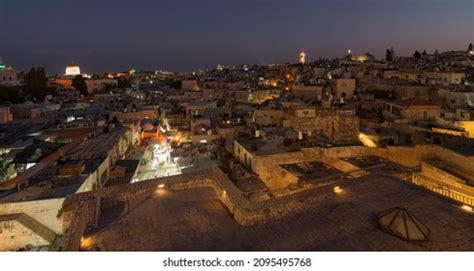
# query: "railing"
[[444, 189]]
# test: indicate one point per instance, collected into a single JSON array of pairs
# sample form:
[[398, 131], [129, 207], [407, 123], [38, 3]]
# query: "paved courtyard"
[[195, 220]]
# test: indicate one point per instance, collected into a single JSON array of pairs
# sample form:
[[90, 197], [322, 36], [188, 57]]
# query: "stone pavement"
[[194, 219]]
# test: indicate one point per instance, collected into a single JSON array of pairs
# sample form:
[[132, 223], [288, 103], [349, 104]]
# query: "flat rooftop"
[[195, 219], [45, 188]]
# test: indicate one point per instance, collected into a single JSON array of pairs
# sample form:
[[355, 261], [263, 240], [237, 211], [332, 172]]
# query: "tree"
[[108, 87], [176, 84], [36, 83], [388, 55], [36, 78], [469, 48], [80, 84], [417, 54], [11, 94], [424, 52], [123, 82]]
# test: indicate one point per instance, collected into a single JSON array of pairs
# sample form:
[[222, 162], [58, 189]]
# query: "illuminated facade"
[[73, 70], [302, 57]]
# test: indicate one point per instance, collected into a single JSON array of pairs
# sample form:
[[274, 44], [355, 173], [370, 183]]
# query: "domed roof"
[[72, 69], [403, 224], [366, 57]]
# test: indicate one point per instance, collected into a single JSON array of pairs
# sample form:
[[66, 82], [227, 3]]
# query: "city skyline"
[[178, 36]]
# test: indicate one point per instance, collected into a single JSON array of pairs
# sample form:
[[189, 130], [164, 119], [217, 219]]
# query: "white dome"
[[73, 70]]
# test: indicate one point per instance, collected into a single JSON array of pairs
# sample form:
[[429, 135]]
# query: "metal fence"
[[442, 188]]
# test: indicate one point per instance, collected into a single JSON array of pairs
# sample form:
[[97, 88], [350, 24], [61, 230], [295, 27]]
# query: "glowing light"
[[73, 70], [337, 189], [467, 208], [349, 51], [367, 141], [161, 186], [302, 57], [86, 242], [161, 192]]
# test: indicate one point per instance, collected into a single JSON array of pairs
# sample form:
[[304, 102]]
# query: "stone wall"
[[337, 126], [275, 177], [44, 211], [14, 235], [135, 116], [432, 170], [79, 210]]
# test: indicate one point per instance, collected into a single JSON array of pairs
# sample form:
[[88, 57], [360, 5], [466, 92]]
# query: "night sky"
[[184, 35]]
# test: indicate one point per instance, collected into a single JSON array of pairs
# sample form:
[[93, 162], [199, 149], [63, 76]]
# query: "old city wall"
[[15, 235], [44, 211], [243, 211], [80, 210]]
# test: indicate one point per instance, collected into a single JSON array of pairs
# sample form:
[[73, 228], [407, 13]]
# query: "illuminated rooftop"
[[340, 217]]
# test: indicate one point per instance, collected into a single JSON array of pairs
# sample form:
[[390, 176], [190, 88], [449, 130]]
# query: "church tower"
[[302, 57]]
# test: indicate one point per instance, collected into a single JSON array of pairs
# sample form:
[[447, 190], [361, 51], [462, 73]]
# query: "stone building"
[[413, 109], [340, 126], [255, 97], [345, 88], [5, 113], [268, 116]]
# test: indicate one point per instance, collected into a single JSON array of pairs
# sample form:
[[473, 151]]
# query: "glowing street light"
[[337, 189]]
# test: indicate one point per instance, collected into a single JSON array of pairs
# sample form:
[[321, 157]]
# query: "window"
[[453, 101], [425, 114]]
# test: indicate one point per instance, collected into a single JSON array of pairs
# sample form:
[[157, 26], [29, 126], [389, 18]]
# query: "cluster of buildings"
[[274, 130]]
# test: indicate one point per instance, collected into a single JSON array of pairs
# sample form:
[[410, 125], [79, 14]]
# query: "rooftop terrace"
[[194, 219]]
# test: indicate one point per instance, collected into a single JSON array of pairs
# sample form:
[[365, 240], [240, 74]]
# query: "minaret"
[[302, 57]]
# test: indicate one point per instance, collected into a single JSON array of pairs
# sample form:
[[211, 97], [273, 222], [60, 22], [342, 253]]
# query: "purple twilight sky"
[[183, 35]]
